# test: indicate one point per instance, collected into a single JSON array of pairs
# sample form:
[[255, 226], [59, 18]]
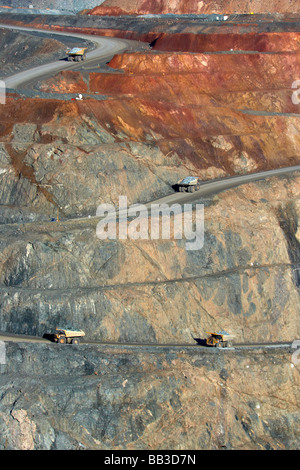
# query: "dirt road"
[[104, 49]]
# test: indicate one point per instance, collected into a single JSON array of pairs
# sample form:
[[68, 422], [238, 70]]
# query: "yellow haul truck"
[[76, 54], [63, 336], [189, 184], [222, 339]]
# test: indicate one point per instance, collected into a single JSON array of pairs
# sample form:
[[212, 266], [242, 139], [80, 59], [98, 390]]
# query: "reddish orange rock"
[[137, 7]]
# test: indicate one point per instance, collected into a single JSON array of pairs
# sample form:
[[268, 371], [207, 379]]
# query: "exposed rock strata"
[[155, 125], [131, 146], [242, 280], [179, 7], [63, 397]]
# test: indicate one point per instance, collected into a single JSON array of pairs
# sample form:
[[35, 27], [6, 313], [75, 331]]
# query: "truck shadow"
[[200, 341], [49, 337]]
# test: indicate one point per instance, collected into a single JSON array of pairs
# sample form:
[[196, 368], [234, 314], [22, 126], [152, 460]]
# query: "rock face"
[[155, 118], [232, 41], [71, 5], [64, 397], [165, 116], [179, 7], [242, 280], [133, 146]]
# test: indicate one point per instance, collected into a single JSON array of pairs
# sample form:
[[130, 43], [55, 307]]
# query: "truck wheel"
[[70, 59], [193, 189], [62, 340], [75, 341]]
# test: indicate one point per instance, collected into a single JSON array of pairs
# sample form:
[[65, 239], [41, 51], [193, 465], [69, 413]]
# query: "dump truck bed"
[[189, 180], [71, 333], [226, 336], [77, 50]]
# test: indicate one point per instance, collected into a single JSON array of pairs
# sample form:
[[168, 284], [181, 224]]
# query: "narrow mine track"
[[207, 188], [104, 49], [198, 344]]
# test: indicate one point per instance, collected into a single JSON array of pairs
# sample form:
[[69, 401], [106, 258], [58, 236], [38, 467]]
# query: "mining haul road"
[[105, 48], [213, 187], [198, 343]]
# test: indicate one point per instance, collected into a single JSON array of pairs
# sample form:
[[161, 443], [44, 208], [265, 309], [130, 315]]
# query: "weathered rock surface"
[[105, 397], [161, 117], [166, 116], [244, 279], [133, 147], [179, 7]]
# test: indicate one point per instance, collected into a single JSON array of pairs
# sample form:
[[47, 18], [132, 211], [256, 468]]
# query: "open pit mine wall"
[[68, 5], [116, 7], [104, 397], [244, 279], [165, 33], [119, 7]]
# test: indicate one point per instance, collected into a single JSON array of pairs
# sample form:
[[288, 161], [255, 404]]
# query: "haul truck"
[[222, 339], [190, 184], [63, 336], [76, 54]]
